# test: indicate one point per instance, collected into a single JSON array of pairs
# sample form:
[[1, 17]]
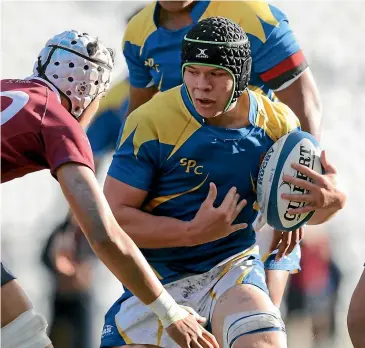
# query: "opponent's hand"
[[212, 223], [188, 332], [323, 193], [285, 242]]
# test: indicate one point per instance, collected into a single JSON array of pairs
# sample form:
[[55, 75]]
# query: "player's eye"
[[193, 72], [216, 74]]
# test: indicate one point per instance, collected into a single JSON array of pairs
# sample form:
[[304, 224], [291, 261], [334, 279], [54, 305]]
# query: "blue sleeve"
[[139, 73], [279, 45], [136, 161], [103, 132]]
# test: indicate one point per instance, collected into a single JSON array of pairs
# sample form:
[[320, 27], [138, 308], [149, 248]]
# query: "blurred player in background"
[[184, 160], [356, 314], [103, 131], [152, 44], [313, 293], [40, 129]]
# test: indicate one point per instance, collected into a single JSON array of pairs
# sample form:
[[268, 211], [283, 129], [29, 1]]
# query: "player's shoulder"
[[167, 102], [276, 118], [140, 26], [23, 99], [257, 18], [164, 119], [28, 86], [159, 114], [15, 93]]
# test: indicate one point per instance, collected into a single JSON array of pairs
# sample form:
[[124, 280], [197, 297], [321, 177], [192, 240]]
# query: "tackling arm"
[[109, 242]]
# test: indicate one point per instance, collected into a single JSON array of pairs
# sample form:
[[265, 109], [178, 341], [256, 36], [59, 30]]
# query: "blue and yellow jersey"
[[104, 130], [167, 149], [153, 52]]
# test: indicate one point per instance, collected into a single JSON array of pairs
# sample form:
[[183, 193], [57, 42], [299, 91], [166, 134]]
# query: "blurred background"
[[33, 208]]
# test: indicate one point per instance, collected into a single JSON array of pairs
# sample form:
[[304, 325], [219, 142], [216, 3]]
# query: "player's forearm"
[[107, 239], [149, 231], [125, 261]]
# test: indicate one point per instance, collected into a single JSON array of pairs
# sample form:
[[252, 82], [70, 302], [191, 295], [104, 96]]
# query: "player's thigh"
[[245, 316], [14, 302], [356, 315]]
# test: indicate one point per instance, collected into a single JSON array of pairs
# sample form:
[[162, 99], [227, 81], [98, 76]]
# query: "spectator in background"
[[68, 257], [312, 293]]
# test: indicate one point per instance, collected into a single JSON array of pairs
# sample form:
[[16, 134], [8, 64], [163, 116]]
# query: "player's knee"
[[27, 330], [240, 325]]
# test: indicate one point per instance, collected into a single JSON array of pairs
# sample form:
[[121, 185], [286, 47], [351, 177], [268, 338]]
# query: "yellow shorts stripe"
[[125, 337]]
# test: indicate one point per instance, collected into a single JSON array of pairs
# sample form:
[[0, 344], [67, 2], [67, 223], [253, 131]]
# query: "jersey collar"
[[46, 83]]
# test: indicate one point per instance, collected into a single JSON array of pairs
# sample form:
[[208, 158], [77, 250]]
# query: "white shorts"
[[134, 323]]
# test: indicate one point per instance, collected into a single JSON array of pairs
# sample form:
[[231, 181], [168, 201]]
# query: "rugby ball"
[[295, 147]]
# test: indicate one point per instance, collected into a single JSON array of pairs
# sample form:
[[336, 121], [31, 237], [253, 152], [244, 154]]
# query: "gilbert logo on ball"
[[295, 147]]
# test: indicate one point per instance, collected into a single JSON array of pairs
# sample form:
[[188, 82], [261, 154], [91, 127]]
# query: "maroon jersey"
[[37, 132]]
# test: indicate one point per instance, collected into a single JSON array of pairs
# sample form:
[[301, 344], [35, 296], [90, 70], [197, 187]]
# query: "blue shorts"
[[290, 263], [6, 275], [130, 322]]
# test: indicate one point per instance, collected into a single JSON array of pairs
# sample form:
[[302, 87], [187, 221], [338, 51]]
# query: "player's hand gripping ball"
[[296, 147]]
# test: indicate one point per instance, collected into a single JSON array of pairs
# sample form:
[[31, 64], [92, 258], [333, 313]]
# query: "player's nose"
[[203, 83]]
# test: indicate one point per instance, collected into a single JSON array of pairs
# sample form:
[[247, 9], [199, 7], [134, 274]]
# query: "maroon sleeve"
[[64, 139]]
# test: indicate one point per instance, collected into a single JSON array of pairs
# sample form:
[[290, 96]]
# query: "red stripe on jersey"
[[287, 64]]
